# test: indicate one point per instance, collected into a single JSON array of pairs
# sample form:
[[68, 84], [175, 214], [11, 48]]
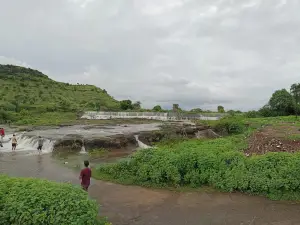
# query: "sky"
[[196, 53]]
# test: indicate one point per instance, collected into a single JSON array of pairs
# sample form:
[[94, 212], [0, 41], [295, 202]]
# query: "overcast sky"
[[198, 53]]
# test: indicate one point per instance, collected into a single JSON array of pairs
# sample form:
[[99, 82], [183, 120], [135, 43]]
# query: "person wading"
[[2, 134], [85, 176], [14, 143], [40, 144]]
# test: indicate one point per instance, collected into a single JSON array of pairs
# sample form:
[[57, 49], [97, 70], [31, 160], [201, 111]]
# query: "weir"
[[169, 116], [29, 144]]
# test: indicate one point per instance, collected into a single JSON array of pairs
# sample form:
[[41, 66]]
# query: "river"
[[140, 206]]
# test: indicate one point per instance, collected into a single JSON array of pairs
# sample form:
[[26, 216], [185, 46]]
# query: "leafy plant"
[[34, 201]]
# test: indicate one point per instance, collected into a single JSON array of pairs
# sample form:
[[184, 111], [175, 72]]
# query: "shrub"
[[252, 114], [217, 163], [230, 126], [34, 201]]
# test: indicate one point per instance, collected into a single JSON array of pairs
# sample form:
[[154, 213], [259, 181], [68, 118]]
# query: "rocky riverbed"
[[79, 138]]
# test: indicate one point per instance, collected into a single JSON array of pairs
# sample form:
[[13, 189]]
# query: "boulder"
[[69, 143], [151, 137], [112, 142], [209, 133]]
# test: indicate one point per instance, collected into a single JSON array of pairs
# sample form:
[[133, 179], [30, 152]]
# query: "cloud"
[[193, 52]]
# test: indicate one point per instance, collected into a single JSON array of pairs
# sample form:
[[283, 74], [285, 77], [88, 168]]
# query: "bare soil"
[[274, 139]]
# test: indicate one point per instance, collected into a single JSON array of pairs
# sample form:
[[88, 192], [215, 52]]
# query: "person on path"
[[14, 143], [85, 176], [40, 144]]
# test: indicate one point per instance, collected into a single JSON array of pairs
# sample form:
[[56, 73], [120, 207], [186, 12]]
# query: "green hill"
[[27, 91]]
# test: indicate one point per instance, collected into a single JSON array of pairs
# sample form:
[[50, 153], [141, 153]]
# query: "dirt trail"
[[128, 205]]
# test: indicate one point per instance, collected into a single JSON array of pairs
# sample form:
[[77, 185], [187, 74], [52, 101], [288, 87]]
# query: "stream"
[[133, 205]]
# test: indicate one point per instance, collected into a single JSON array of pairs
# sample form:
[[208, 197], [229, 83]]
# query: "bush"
[[217, 163], [34, 201], [230, 126], [252, 114]]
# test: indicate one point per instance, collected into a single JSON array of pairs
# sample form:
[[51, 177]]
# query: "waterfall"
[[141, 144], [26, 144], [83, 151]]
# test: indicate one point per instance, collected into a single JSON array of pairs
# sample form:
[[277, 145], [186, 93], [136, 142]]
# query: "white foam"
[[141, 144], [28, 144]]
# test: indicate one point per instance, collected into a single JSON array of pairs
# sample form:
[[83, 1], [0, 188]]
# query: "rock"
[[151, 137], [69, 143], [209, 133], [113, 142]]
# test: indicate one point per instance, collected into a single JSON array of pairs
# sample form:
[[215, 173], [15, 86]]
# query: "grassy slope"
[[34, 90], [34, 93]]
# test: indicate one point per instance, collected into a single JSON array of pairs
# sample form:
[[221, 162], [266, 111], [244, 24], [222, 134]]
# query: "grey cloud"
[[197, 53]]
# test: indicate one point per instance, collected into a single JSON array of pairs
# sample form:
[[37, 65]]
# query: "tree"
[[97, 106], [295, 92], [266, 111], [196, 110], [126, 104], [221, 109], [282, 102], [157, 108], [137, 105]]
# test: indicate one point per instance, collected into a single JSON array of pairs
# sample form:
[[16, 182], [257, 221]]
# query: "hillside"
[[28, 89]]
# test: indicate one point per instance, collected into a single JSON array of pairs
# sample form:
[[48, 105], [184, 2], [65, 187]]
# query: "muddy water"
[[128, 205]]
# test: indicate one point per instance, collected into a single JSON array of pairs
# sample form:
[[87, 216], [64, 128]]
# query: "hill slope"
[[28, 89]]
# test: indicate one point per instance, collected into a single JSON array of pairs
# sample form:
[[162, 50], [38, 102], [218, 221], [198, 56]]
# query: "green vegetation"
[[219, 163], [34, 201], [281, 103], [27, 93]]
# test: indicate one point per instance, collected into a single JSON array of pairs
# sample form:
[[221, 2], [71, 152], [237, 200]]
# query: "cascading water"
[[141, 144], [26, 144]]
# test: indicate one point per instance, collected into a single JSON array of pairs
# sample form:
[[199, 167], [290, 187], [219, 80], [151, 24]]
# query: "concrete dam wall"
[[146, 115]]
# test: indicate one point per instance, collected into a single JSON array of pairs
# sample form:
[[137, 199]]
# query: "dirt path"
[[128, 205]]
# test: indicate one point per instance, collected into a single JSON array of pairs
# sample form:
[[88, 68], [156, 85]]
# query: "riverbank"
[[139, 206], [259, 157]]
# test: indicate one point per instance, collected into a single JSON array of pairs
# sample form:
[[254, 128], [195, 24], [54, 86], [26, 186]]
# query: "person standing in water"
[[85, 176], [40, 144], [14, 143], [2, 134]]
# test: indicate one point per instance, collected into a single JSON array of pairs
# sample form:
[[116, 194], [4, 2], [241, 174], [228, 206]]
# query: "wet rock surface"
[[74, 138], [176, 130], [114, 142], [69, 143]]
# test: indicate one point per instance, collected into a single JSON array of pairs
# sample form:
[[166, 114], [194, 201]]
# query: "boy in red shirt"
[[85, 176], [2, 133]]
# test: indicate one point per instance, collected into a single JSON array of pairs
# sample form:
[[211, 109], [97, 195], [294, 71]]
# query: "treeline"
[[128, 105], [281, 103]]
